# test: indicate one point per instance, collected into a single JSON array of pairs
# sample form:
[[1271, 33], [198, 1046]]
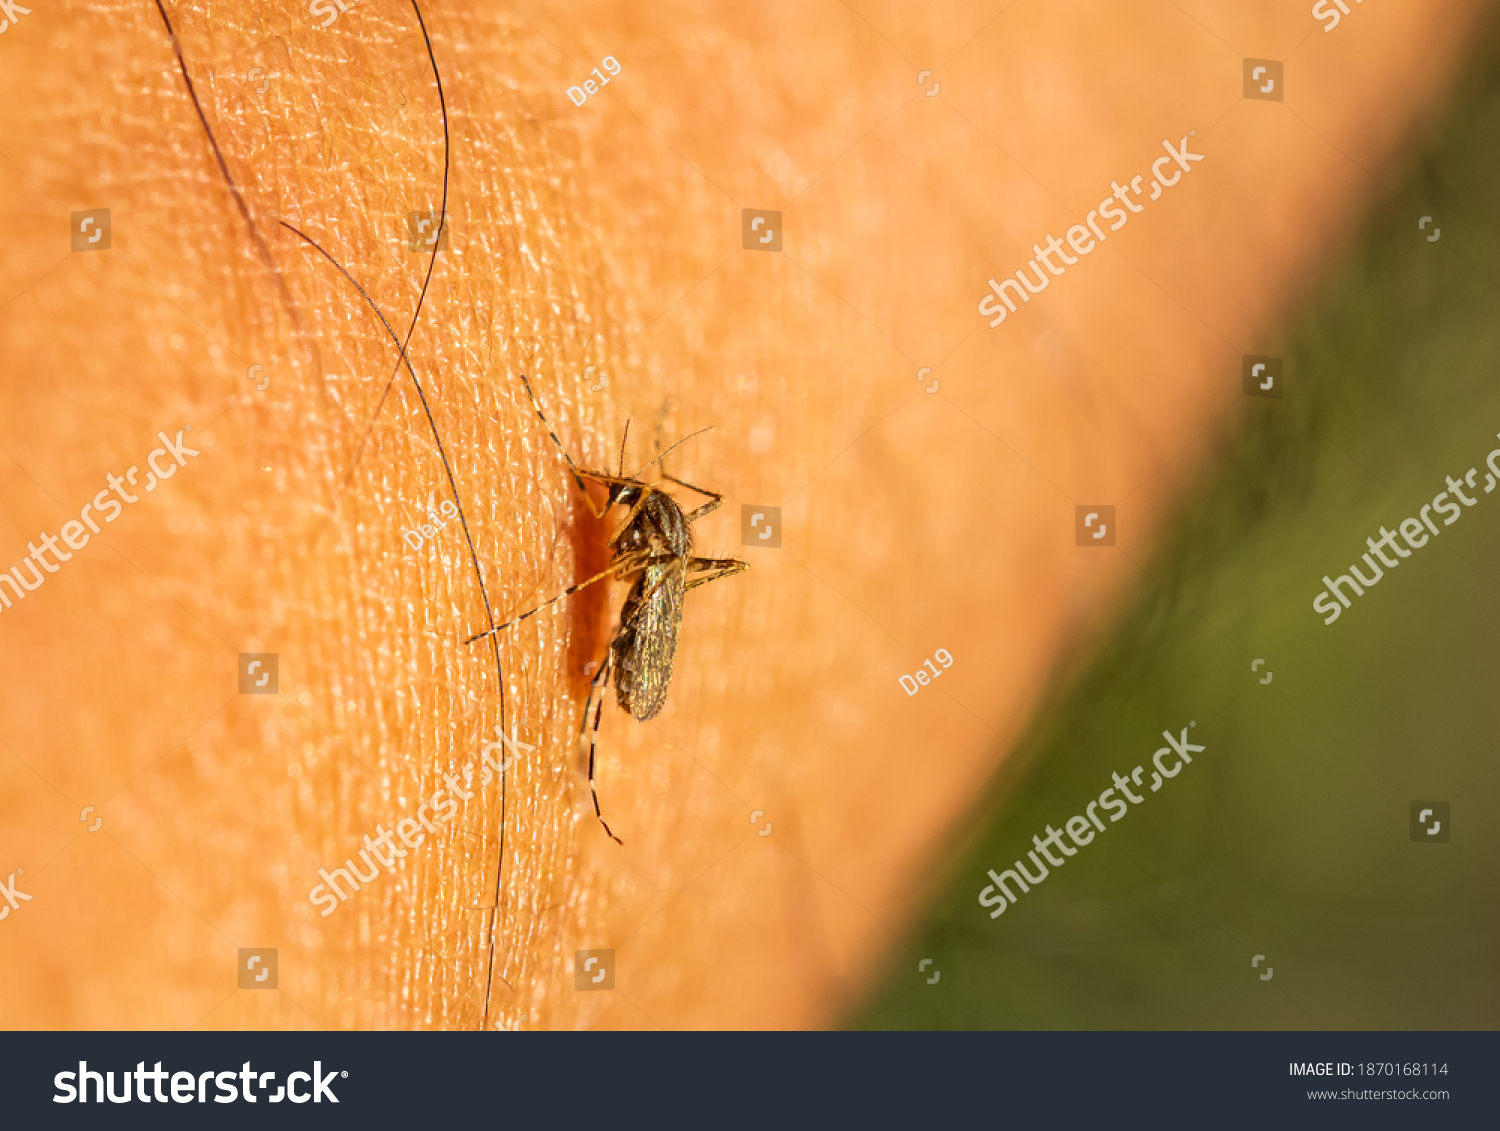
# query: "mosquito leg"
[[624, 562], [601, 684], [600, 681], [577, 475], [719, 567], [706, 508], [660, 559]]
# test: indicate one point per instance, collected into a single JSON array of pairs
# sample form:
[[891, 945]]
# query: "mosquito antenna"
[[666, 453], [622, 447]]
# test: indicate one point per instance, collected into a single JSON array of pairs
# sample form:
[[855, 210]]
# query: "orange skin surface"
[[605, 235]]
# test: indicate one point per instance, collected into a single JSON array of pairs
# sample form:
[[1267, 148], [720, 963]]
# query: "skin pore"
[[606, 235]]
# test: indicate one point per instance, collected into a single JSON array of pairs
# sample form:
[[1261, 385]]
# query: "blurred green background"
[[1289, 835]]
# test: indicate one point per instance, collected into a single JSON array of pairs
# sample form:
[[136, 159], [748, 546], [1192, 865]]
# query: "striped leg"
[[625, 562], [577, 475], [601, 689], [706, 508], [713, 569]]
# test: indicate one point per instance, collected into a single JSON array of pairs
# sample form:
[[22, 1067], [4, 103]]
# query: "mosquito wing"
[[647, 643]]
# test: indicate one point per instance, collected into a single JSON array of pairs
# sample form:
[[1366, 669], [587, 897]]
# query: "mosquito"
[[652, 546]]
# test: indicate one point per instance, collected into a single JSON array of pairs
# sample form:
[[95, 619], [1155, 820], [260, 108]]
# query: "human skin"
[[604, 235]]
